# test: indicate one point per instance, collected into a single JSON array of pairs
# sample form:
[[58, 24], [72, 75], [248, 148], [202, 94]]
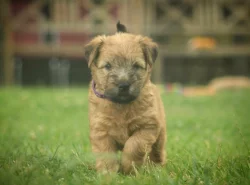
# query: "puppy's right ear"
[[92, 49]]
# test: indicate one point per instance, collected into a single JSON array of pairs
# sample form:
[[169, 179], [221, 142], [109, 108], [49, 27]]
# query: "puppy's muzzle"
[[121, 93], [123, 87]]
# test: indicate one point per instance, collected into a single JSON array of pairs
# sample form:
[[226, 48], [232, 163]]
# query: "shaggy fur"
[[130, 119]]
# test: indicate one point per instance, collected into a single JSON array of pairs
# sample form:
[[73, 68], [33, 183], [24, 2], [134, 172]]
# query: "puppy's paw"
[[105, 167]]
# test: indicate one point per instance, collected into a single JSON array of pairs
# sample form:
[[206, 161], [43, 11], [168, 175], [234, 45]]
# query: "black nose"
[[123, 86]]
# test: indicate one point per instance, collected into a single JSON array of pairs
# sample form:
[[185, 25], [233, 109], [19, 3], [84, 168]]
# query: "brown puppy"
[[125, 109]]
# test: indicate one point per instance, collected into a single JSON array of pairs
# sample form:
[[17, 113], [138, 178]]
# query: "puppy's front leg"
[[104, 148], [136, 148]]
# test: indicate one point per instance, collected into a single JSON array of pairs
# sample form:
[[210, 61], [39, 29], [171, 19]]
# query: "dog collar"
[[97, 93]]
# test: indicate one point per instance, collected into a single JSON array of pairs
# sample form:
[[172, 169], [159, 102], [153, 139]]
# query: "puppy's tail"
[[120, 27]]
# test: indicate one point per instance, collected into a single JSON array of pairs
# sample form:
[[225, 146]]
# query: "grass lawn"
[[44, 139]]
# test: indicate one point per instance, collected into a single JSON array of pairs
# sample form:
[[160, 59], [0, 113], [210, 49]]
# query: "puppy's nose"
[[123, 86]]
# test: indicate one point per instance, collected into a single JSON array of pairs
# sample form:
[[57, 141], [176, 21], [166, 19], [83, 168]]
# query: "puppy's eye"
[[107, 66], [136, 66]]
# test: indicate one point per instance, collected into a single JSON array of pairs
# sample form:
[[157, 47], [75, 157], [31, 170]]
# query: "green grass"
[[44, 139]]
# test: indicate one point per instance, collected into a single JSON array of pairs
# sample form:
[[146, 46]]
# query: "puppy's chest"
[[121, 130], [120, 134]]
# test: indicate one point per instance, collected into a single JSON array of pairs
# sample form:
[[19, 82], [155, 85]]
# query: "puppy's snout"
[[124, 86]]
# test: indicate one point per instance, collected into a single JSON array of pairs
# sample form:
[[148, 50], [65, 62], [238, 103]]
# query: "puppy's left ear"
[[92, 49], [149, 49]]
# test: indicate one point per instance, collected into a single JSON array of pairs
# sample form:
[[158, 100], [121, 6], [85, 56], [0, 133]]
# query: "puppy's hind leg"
[[158, 154]]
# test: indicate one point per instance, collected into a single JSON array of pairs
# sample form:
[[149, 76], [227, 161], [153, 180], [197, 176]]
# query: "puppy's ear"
[[149, 49], [120, 27], [92, 49]]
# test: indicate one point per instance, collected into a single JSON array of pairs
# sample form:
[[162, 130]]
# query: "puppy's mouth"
[[122, 98], [121, 95]]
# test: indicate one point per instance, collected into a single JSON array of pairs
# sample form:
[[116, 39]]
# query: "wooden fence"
[[198, 39]]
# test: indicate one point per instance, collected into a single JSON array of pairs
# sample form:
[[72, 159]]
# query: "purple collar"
[[97, 93]]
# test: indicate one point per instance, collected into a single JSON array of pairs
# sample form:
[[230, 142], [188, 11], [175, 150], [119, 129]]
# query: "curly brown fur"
[[130, 119]]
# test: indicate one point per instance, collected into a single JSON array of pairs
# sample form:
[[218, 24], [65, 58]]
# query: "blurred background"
[[42, 41]]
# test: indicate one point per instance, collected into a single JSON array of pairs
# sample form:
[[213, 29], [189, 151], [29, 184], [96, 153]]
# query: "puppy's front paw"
[[107, 166], [128, 168]]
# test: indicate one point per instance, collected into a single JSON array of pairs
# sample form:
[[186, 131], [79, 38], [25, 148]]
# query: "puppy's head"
[[121, 64]]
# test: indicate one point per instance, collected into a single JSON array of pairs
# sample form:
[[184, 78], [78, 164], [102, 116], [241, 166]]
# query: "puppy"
[[125, 109]]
